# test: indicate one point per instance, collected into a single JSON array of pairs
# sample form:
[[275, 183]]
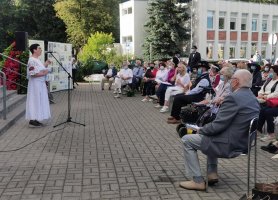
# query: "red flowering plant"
[[12, 69]]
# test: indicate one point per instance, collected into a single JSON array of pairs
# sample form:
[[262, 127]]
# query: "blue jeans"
[[192, 143]]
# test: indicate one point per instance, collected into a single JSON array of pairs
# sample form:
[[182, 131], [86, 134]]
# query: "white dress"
[[37, 104]]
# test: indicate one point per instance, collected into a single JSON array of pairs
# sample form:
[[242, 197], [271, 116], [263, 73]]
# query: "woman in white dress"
[[37, 104]]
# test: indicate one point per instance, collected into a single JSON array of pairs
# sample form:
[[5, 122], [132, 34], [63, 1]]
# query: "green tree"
[[165, 29], [85, 17], [98, 47]]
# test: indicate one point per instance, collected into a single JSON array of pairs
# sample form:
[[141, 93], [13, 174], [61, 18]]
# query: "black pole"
[[69, 99]]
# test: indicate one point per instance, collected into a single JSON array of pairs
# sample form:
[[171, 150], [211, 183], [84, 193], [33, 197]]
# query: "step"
[[12, 118], [9, 94], [12, 103]]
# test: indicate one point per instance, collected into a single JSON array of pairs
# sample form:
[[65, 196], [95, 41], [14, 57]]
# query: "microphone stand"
[[69, 97]]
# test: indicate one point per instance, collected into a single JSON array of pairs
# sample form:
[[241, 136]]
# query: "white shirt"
[[109, 72], [161, 75], [185, 79], [126, 73]]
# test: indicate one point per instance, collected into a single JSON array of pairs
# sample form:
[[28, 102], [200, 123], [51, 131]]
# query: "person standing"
[[194, 58], [37, 104]]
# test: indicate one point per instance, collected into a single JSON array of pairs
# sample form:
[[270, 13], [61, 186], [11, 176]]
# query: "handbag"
[[272, 102]]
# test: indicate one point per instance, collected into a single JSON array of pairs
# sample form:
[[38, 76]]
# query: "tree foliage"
[[165, 29], [36, 17], [98, 47], [85, 17]]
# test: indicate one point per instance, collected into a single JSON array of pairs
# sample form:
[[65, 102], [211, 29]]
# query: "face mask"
[[161, 67], [195, 71], [148, 67], [222, 77], [200, 71], [253, 67], [266, 69], [151, 67], [170, 67], [270, 75]]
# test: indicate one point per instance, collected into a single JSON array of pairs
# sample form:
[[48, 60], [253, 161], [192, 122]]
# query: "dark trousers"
[[74, 76], [267, 114], [181, 100], [148, 88], [136, 82], [160, 93]]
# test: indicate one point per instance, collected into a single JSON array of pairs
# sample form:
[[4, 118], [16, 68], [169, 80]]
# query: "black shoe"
[[102, 88], [271, 148], [34, 124]]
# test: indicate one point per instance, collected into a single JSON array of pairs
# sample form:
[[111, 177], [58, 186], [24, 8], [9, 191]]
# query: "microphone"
[[49, 52]]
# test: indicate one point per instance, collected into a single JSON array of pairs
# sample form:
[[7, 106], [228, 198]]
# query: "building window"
[[232, 52], [255, 23], [244, 21], [221, 21], [264, 23], [220, 51], [127, 11], [210, 17], [209, 51], [253, 48], [274, 24], [243, 51], [127, 39], [233, 21]]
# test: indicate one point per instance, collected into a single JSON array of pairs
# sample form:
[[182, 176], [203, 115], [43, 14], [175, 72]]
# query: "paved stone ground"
[[126, 151]]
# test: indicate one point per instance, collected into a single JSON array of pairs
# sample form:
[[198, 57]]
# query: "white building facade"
[[222, 29], [133, 15]]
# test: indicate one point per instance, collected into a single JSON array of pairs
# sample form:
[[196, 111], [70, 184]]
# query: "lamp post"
[[191, 24]]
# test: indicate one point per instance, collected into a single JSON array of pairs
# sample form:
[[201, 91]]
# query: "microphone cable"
[[17, 149]]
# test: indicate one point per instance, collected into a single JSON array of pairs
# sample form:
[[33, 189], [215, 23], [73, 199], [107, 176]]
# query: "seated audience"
[[171, 76], [267, 114], [196, 94], [138, 72], [123, 78], [148, 80], [109, 76], [214, 75], [223, 89], [182, 84], [226, 136], [255, 69], [265, 72]]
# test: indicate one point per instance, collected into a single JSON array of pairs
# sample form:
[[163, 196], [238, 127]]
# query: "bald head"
[[244, 78]]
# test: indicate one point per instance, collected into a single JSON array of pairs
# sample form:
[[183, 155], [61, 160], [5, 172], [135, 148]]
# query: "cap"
[[194, 47]]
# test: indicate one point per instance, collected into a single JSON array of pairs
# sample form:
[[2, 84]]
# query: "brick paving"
[[126, 151]]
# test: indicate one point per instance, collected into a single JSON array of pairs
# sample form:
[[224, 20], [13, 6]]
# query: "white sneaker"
[[150, 100], [115, 91], [267, 138], [164, 109], [144, 100], [154, 97], [117, 96], [158, 106], [119, 90]]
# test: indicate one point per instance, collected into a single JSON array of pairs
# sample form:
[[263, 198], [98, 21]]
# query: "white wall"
[[133, 25]]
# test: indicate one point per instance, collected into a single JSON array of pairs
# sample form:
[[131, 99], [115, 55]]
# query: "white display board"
[[57, 77]]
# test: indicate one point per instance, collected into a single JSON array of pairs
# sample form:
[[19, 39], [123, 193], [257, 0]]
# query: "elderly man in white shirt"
[[124, 77]]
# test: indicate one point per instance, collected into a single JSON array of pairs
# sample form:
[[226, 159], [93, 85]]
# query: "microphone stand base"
[[69, 121]]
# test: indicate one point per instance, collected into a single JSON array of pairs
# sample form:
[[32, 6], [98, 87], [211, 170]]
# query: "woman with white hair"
[[182, 84]]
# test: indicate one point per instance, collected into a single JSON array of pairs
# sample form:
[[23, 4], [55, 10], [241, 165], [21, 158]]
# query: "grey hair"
[[244, 77], [227, 71]]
